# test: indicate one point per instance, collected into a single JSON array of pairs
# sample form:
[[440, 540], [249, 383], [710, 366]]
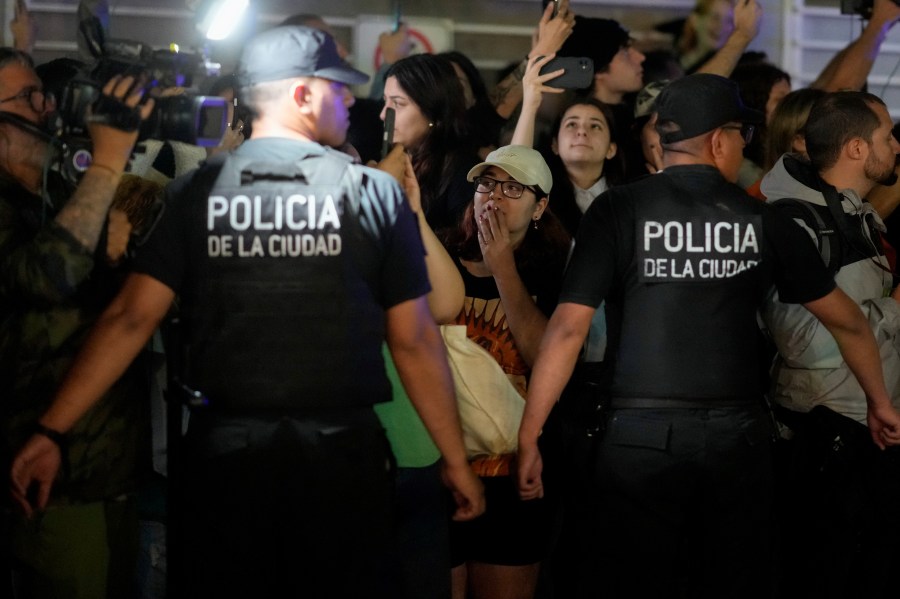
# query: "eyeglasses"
[[511, 189], [746, 130], [37, 98]]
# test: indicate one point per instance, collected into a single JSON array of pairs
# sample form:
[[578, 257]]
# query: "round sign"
[[422, 47]]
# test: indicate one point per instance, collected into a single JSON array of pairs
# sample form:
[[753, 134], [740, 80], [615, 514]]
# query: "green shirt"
[[412, 445]]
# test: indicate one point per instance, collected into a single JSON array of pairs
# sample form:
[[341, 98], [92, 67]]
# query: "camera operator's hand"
[[113, 122]]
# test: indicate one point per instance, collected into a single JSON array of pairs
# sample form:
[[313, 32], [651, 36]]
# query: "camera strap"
[[24, 124]]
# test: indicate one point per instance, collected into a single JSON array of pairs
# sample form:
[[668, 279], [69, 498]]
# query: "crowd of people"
[[637, 339]]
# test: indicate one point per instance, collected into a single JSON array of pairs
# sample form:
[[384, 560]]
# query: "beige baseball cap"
[[524, 164]]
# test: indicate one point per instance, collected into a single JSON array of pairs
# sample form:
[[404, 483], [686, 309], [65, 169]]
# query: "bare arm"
[[850, 67], [548, 39], [556, 360], [23, 28], [447, 288], [85, 212], [850, 329], [419, 354], [448, 291], [394, 45], [533, 85], [747, 18], [118, 336]]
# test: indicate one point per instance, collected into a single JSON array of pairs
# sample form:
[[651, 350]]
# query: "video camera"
[[187, 117], [862, 8]]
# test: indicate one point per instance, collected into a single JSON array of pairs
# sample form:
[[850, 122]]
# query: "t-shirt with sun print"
[[484, 317]]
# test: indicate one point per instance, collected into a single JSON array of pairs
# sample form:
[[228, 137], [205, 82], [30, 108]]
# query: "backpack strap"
[[825, 235]]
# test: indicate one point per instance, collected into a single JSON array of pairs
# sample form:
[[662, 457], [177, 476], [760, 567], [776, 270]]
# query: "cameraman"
[[55, 279]]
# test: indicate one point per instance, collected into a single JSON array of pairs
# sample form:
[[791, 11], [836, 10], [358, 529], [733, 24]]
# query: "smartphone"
[[555, 8], [387, 140], [397, 16], [579, 72]]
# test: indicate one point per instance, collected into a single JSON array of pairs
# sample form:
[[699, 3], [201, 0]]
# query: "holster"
[[585, 401]]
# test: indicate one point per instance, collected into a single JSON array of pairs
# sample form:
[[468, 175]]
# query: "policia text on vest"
[[697, 250], [274, 226]]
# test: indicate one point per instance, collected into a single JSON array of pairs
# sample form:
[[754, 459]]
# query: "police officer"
[[682, 480], [293, 265]]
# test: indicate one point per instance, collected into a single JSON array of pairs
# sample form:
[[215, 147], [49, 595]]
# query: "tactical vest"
[[280, 307], [689, 299]]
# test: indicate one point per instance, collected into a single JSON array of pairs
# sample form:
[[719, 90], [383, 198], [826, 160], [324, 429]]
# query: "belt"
[[658, 403]]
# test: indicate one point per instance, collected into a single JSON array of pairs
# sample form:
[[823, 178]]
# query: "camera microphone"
[[24, 124]]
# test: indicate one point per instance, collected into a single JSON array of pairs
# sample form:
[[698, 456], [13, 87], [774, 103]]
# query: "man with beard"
[[840, 490], [61, 250]]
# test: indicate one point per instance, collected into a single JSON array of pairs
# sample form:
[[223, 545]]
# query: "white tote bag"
[[490, 408]]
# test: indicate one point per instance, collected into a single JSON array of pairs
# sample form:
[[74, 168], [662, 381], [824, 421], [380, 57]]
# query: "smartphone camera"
[[579, 72]]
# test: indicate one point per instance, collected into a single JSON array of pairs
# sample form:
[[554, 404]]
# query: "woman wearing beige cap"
[[511, 252]]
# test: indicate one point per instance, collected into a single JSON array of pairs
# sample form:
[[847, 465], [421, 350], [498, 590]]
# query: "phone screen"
[[388, 137]]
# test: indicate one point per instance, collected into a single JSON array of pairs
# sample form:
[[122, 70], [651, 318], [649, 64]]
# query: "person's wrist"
[[741, 37], [457, 462], [528, 436], [96, 166], [59, 439]]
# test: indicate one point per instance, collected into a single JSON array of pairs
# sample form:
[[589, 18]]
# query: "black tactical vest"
[[281, 310], [690, 294]]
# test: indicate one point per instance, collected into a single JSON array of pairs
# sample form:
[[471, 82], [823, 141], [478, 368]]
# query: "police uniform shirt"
[[335, 267], [683, 259]]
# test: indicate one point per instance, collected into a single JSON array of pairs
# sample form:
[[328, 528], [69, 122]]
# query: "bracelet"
[[113, 172], [57, 437]]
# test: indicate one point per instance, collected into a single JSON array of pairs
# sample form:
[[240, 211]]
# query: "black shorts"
[[511, 532]]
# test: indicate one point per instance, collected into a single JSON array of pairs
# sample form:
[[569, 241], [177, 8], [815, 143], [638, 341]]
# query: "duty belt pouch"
[[585, 402], [830, 444]]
